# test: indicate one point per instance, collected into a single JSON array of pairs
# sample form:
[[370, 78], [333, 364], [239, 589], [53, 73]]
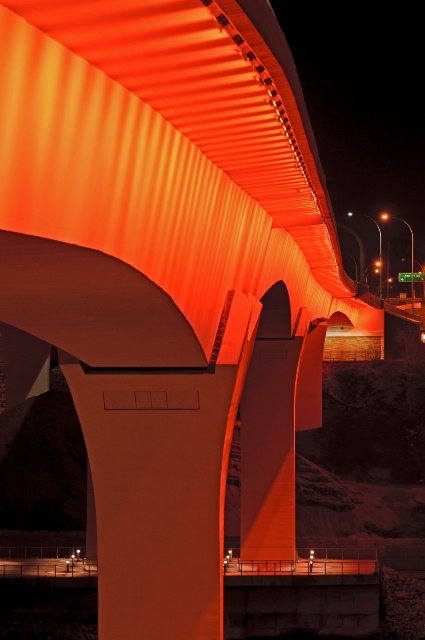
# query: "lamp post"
[[367, 274], [361, 215], [421, 269], [355, 262], [386, 216]]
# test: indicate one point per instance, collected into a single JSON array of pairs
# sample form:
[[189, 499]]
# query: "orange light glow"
[[384, 216], [86, 162]]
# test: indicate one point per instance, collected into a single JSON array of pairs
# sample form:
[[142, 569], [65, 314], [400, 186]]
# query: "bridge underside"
[[151, 195]]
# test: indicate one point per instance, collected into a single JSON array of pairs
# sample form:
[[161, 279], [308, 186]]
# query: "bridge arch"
[[92, 305], [340, 320]]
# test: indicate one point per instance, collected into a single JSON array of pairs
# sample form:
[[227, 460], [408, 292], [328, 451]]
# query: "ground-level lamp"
[[386, 216], [361, 215]]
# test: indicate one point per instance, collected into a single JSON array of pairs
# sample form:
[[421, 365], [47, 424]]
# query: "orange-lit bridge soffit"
[[155, 156]]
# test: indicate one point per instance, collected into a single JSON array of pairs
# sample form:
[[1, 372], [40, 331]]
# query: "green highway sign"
[[407, 277]]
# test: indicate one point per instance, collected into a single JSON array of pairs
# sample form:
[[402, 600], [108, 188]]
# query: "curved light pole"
[[415, 261], [366, 272], [421, 269], [361, 215], [386, 216], [355, 262]]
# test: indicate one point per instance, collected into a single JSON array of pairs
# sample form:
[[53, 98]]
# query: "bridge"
[[165, 224]]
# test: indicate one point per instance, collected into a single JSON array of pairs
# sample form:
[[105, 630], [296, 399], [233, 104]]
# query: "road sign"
[[407, 277]]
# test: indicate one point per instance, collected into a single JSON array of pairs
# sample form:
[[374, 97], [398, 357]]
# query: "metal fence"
[[62, 570], [40, 552], [316, 567], [333, 355], [320, 561], [338, 553]]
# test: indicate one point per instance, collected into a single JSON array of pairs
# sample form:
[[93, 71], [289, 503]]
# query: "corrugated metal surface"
[[173, 56]]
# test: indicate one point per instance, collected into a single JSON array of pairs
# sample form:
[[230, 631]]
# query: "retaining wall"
[[339, 606]]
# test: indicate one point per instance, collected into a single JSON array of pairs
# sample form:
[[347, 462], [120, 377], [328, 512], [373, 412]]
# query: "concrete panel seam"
[[151, 400]]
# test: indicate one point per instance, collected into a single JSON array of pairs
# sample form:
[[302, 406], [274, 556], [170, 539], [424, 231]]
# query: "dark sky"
[[362, 75]]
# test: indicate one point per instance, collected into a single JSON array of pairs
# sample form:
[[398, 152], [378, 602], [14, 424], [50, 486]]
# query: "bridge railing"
[[332, 355], [340, 561], [35, 552], [339, 553], [56, 570]]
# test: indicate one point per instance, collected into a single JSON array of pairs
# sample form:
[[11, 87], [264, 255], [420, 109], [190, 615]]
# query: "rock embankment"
[[403, 606], [316, 486]]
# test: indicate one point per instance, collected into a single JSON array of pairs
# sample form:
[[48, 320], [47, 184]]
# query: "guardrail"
[[344, 561], [40, 552], [351, 356], [317, 567], [15, 570], [338, 553]]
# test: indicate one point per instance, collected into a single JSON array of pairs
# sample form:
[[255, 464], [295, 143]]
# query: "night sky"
[[362, 77]]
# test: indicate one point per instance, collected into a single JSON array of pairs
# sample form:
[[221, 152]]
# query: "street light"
[[361, 215], [416, 262], [386, 216], [421, 269], [355, 262], [376, 269]]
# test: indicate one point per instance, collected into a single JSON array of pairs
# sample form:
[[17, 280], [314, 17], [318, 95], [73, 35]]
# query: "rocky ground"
[[402, 606], [42, 628]]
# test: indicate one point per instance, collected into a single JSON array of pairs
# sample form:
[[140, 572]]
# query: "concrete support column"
[[308, 406], [91, 529], [158, 445], [27, 364], [268, 448]]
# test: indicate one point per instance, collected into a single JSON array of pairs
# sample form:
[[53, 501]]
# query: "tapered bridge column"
[[158, 445], [308, 407], [268, 447]]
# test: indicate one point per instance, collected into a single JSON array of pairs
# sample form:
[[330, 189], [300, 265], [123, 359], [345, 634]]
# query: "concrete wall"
[[346, 606], [352, 347], [44, 596]]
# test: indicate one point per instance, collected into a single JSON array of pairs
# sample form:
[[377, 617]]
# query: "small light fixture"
[[423, 337], [349, 214]]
